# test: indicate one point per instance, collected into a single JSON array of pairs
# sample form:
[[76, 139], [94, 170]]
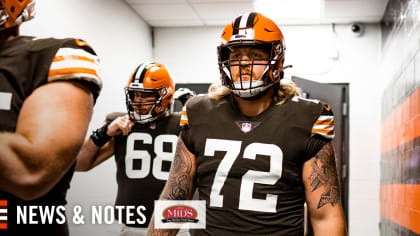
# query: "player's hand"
[[121, 125]]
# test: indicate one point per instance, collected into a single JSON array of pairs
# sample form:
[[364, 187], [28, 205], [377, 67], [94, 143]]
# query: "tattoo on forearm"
[[178, 186], [180, 182], [324, 174]]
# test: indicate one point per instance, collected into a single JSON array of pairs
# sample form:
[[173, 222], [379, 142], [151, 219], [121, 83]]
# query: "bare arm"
[[91, 155], [50, 130], [180, 184], [322, 192]]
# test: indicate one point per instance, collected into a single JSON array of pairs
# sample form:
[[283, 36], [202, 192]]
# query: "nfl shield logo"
[[246, 127]]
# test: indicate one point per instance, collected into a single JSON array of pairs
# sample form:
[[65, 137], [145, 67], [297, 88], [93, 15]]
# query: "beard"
[[142, 111], [239, 77]]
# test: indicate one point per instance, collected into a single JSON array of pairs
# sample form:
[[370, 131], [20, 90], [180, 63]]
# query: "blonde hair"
[[286, 89]]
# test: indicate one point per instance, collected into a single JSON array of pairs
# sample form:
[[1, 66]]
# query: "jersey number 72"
[[232, 149]]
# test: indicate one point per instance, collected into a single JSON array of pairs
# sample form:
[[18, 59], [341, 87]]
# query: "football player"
[[143, 142], [44, 85], [253, 148]]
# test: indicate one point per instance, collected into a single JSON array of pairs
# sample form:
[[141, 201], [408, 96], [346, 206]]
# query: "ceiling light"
[[289, 9]]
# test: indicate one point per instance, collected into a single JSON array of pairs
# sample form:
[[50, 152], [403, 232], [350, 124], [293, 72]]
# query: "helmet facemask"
[[145, 104], [23, 10], [250, 87]]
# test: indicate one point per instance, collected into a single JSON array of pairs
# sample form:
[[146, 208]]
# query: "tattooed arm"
[[322, 192], [180, 184]]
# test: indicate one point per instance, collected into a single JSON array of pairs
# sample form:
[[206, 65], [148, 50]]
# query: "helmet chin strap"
[[143, 119], [262, 91]]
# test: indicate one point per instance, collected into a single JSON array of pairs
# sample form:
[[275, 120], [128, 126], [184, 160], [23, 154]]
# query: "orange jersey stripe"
[[184, 122], [400, 204], [324, 131], [324, 122], [72, 71], [3, 202], [3, 225], [73, 57], [403, 124]]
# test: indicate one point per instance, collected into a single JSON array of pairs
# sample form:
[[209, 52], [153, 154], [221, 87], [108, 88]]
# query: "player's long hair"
[[286, 89]]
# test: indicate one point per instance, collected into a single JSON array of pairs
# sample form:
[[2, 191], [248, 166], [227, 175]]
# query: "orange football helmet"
[[14, 12], [149, 92], [257, 31]]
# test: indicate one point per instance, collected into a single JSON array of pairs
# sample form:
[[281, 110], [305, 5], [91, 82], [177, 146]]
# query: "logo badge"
[[247, 126], [3, 214], [180, 214], [152, 125]]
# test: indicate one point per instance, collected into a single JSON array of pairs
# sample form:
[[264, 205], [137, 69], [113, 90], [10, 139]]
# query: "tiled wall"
[[400, 142]]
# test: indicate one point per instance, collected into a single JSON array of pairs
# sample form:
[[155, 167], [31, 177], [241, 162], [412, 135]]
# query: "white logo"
[[246, 127]]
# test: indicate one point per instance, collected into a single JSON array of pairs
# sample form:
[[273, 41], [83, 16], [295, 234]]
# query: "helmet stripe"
[[236, 25], [243, 26], [139, 76], [250, 21], [244, 20]]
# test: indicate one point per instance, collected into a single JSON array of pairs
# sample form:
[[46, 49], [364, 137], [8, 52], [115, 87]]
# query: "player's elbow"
[[82, 166], [32, 186], [331, 221]]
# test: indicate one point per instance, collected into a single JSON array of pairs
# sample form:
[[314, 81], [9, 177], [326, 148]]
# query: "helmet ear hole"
[[275, 74]]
